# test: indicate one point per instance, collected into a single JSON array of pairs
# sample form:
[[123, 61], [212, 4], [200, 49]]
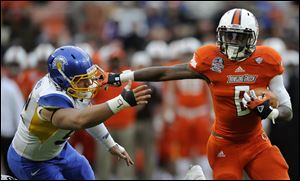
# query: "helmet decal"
[[236, 18], [59, 62]]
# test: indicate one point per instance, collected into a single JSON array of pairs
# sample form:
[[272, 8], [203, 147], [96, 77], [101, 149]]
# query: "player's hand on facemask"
[[120, 152], [110, 79]]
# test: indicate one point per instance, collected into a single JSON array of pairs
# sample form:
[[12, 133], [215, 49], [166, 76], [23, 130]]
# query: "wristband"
[[108, 142], [127, 75], [117, 104], [273, 115], [122, 149]]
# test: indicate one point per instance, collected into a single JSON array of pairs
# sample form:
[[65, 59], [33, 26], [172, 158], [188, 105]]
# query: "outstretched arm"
[[156, 73], [73, 119], [163, 73]]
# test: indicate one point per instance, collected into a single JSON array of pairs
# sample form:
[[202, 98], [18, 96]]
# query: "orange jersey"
[[27, 79], [228, 82], [191, 92]]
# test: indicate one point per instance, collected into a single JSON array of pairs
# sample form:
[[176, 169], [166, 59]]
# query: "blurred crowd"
[[169, 134]]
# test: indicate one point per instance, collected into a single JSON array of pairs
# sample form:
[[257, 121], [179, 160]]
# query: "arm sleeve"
[[101, 133], [277, 87]]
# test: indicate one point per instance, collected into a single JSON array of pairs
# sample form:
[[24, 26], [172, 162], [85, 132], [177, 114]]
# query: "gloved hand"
[[260, 104], [114, 79], [128, 97], [110, 79]]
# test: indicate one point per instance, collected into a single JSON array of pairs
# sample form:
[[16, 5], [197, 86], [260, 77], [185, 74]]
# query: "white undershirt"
[[277, 87]]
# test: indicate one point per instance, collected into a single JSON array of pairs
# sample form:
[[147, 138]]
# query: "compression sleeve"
[[277, 87], [101, 133]]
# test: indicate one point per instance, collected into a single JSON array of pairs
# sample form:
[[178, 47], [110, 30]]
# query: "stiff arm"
[[163, 73]]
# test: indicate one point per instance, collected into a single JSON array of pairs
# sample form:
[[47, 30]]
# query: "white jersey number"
[[238, 95]]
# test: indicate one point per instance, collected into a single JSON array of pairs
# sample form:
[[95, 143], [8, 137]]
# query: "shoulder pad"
[[55, 100]]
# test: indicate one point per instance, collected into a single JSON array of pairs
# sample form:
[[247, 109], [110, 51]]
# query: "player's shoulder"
[[269, 54], [207, 49], [49, 95], [206, 53]]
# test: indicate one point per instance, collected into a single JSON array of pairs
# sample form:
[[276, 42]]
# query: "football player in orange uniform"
[[233, 67]]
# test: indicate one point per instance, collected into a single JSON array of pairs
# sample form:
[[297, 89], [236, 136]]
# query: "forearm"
[[155, 74], [161, 73], [75, 119], [285, 114], [101, 133], [94, 115]]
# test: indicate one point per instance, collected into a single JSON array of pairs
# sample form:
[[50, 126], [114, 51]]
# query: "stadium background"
[[124, 28]]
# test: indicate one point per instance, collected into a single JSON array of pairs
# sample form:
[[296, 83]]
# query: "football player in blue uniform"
[[59, 104]]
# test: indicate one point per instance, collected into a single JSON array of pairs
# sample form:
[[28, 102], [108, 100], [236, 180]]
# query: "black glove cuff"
[[128, 96], [264, 109], [114, 79]]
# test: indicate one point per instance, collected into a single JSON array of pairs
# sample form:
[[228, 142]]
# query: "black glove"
[[264, 109], [128, 96], [114, 79], [261, 105]]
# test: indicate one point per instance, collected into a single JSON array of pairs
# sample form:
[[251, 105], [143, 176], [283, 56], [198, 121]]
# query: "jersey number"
[[238, 95]]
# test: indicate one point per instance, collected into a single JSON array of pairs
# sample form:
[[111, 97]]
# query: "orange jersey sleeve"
[[201, 59], [228, 82]]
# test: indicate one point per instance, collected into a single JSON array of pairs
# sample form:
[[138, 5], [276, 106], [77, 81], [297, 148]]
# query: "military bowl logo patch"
[[217, 65], [259, 60]]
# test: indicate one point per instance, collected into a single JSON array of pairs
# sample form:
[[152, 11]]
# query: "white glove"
[[195, 173]]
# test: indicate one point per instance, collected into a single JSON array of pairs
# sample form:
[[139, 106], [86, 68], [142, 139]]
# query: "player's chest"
[[227, 76], [226, 73]]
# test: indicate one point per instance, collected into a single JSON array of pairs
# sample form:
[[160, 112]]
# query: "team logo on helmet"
[[217, 65], [59, 62]]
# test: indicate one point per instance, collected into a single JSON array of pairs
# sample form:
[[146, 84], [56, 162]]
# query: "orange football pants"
[[257, 156]]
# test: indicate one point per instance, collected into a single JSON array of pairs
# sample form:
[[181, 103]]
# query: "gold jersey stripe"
[[42, 129]]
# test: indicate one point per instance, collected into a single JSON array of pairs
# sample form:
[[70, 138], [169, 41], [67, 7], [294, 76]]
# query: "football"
[[273, 100]]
